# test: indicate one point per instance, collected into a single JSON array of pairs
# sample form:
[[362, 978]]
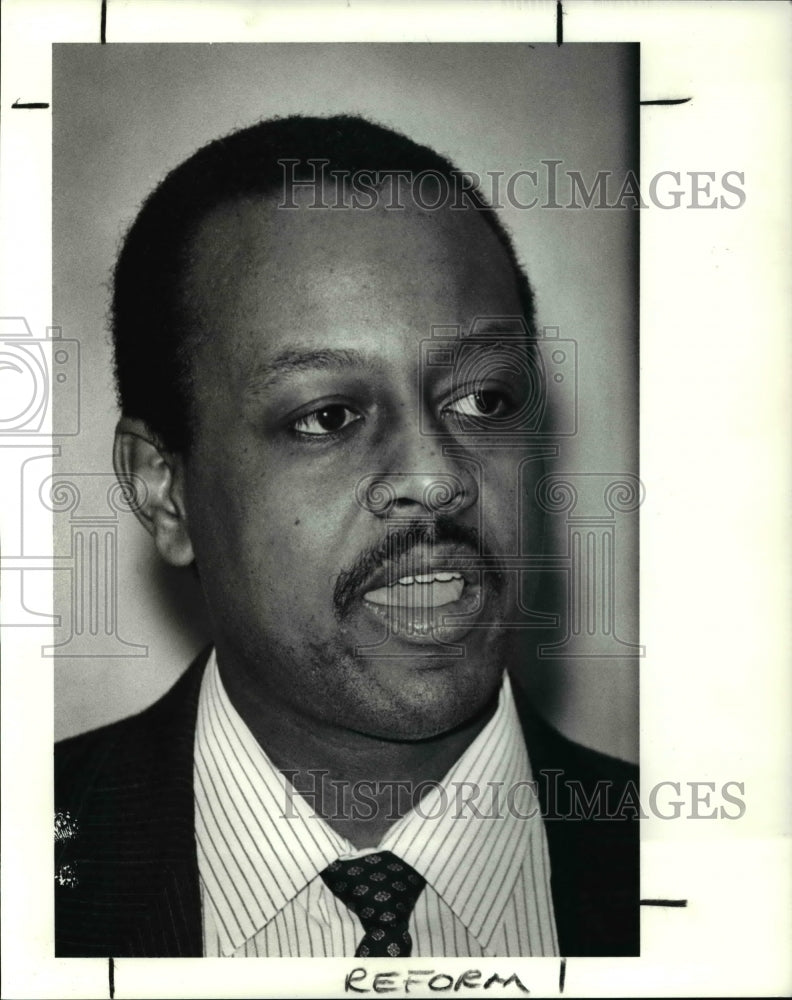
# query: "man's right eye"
[[326, 421]]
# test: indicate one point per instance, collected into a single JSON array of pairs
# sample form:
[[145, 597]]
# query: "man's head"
[[348, 505], [153, 323]]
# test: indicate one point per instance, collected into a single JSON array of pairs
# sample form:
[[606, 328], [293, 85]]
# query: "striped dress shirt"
[[261, 847]]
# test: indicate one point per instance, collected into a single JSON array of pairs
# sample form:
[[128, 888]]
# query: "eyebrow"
[[503, 324], [266, 375]]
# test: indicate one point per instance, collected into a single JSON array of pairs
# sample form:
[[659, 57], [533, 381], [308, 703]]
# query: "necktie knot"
[[381, 890]]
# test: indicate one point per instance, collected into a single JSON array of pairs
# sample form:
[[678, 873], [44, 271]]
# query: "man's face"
[[312, 407]]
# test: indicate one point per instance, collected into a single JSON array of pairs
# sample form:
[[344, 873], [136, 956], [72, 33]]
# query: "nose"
[[421, 475]]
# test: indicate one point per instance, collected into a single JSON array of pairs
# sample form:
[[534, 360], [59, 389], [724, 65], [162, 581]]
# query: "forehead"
[[263, 279]]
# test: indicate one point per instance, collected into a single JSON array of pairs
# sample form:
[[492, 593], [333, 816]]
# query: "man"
[[349, 500]]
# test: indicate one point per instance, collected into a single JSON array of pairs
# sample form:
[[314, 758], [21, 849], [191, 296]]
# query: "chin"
[[443, 695]]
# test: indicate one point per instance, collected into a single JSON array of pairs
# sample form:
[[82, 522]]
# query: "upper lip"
[[422, 560]]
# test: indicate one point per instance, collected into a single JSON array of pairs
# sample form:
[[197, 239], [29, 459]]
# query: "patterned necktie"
[[381, 890]]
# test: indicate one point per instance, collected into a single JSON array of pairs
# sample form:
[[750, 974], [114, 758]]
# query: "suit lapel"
[[136, 888], [594, 859]]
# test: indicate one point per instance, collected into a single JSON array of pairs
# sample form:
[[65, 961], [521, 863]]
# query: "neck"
[[359, 784]]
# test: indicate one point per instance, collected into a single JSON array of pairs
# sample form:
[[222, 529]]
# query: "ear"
[[140, 459]]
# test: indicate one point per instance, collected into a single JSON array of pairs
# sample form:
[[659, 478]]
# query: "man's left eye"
[[325, 421], [483, 403]]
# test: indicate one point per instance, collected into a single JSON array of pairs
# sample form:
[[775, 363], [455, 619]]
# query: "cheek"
[[226, 514], [501, 501], [270, 533]]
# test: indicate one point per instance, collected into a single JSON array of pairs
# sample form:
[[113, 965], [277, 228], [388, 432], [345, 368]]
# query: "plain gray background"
[[125, 114]]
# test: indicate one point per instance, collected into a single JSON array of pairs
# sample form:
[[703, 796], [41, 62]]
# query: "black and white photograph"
[[352, 442], [379, 614]]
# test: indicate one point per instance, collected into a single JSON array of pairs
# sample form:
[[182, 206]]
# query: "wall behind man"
[[126, 114]]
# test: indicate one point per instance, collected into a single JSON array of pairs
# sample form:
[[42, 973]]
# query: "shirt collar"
[[470, 834], [260, 843]]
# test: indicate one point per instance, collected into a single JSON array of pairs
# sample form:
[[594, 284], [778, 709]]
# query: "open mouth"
[[424, 597], [427, 590]]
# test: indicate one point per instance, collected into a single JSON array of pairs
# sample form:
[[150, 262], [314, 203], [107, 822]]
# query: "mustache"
[[441, 530]]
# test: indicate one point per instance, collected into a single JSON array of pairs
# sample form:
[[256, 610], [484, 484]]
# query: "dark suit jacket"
[[127, 879]]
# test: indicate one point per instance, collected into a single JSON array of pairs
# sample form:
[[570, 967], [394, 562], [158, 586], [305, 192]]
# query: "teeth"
[[440, 589], [429, 578]]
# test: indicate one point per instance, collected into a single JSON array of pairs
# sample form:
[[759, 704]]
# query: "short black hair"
[[152, 333]]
